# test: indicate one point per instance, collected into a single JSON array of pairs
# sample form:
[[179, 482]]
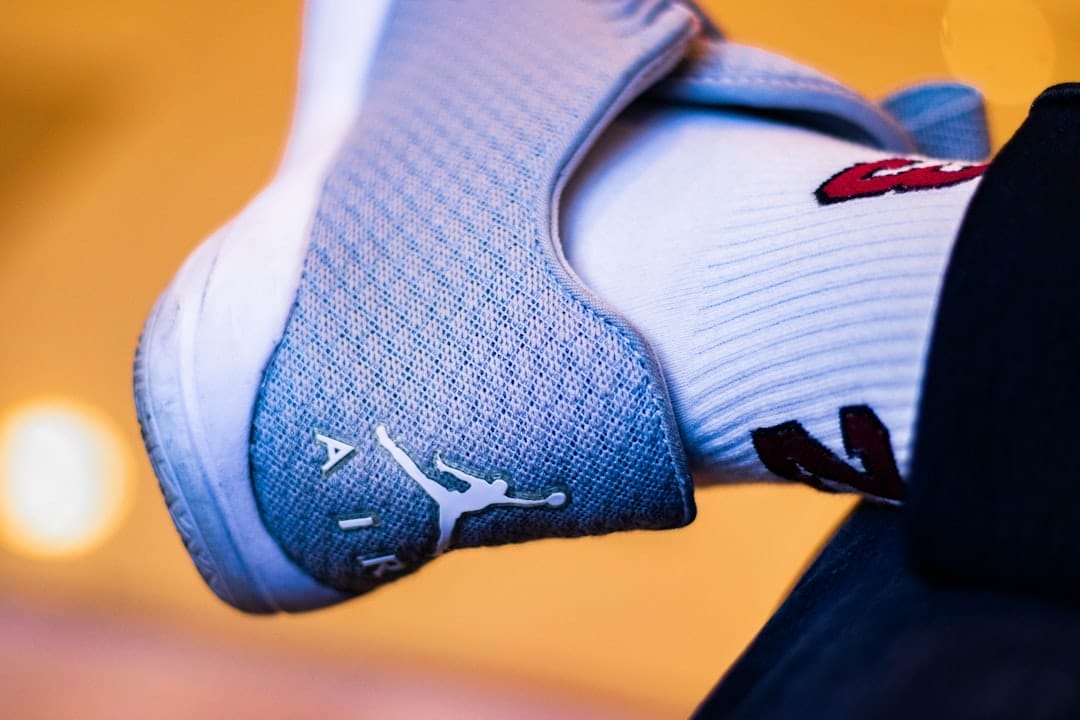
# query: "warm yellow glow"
[[64, 479], [1005, 48]]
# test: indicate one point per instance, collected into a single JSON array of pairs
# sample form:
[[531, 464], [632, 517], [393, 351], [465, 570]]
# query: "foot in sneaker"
[[386, 355]]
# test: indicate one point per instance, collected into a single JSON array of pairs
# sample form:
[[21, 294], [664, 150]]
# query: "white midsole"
[[217, 324]]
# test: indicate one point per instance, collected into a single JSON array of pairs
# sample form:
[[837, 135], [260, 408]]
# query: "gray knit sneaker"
[[386, 356], [330, 405]]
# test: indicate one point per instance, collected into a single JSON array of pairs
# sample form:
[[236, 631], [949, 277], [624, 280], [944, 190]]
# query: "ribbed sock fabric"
[[781, 275], [704, 229]]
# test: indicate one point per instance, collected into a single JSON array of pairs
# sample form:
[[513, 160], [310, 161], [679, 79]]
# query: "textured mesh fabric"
[[727, 74], [433, 302], [938, 119], [946, 119]]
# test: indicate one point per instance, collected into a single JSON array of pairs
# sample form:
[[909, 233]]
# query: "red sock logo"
[[870, 179], [789, 451]]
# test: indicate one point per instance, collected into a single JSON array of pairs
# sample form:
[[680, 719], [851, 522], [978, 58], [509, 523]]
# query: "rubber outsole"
[[199, 361], [182, 491]]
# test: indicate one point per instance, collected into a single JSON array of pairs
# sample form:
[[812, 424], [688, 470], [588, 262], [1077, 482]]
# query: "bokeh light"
[[64, 479]]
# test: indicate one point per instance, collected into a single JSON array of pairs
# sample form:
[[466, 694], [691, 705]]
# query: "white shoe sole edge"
[[208, 340]]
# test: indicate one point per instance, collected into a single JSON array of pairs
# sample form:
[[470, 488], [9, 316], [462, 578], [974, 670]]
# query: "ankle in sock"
[[780, 274]]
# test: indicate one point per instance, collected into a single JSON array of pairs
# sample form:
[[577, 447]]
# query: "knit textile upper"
[[946, 119], [436, 328], [938, 119]]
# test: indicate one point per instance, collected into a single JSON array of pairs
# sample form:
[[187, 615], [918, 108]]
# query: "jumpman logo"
[[480, 496]]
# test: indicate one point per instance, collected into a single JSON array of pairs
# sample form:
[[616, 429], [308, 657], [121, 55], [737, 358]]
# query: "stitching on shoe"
[[660, 414]]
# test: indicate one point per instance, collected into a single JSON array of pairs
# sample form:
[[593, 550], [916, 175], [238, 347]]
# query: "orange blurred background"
[[130, 129]]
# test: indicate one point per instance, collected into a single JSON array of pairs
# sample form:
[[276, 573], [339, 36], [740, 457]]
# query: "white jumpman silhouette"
[[455, 503]]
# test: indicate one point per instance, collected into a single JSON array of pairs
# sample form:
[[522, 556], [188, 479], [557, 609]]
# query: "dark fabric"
[[861, 636], [996, 496], [962, 603]]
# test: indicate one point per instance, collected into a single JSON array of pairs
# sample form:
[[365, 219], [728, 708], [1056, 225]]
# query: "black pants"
[[965, 603]]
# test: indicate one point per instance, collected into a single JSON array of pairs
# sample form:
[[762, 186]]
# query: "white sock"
[[702, 228], [765, 305]]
